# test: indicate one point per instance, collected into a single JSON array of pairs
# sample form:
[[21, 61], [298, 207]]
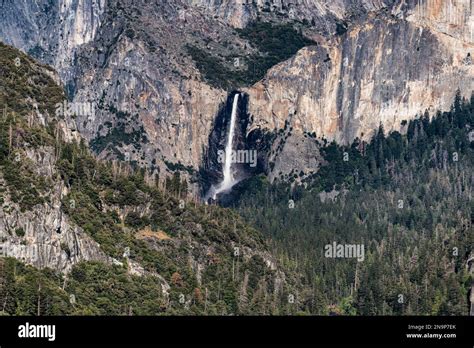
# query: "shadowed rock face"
[[51, 30], [397, 59], [256, 141]]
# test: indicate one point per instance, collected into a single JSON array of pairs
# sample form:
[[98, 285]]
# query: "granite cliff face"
[[375, 62], [321, 13], [384, 71], [387, 68], [453, 18], [51, 31], [48, 238], [155, 73], [33, 227], [148, 86]]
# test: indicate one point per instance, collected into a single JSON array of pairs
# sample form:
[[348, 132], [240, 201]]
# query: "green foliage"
[[110, 290], [25, 89], [177, 186], [214, 71], [275, 43], [25, 82], [179, 166], [409, 248], [428, 144], [20, 232], [25, 290], [134, 220], [25, 187], [99, 196], [118, 136], [97, 289]]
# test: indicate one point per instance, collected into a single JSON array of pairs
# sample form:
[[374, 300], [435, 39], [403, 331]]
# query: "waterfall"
[[228, 181]]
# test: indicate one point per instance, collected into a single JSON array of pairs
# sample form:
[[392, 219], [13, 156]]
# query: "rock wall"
[[454, 18], [50, 239], [387, 68], [320, 13], [51, 30], [143, 82], [383, 71]]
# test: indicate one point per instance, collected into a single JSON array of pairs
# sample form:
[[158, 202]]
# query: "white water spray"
[[229, 180]]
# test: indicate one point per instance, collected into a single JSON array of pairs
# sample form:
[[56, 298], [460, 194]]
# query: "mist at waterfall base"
[[229, 180]]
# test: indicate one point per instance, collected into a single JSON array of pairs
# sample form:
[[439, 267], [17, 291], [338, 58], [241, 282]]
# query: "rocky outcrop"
[[143, 81], [59, 206], [320, 13], [391, 65], [51, 31], [453, 18], [382, 72], [44, 236]]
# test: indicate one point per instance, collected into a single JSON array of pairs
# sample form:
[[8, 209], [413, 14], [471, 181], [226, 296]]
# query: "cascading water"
[[229, 180]]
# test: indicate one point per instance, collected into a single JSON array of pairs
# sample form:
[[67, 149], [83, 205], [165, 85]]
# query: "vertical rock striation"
[[51, 30]]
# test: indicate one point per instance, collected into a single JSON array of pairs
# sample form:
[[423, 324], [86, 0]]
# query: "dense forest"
[[405, 196]]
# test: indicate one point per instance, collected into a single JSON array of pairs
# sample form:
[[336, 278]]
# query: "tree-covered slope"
[[107, 238], [406, 197]]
